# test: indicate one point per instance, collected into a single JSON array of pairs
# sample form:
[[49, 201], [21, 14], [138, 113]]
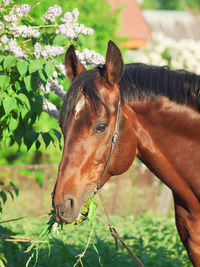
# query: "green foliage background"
[[190, 5], [95, 14]]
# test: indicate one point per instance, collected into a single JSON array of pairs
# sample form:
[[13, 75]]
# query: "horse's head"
[[88, 118]]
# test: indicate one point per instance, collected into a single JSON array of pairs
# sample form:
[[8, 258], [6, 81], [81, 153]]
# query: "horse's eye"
[[100, 127]]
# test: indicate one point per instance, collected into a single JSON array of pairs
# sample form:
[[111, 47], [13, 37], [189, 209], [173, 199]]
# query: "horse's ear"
[[114, 64], [73, 65]]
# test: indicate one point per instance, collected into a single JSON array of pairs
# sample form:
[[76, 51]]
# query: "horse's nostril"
[[69, 203]]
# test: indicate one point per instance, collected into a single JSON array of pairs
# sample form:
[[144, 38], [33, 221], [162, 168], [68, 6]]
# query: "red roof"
[[132, 23]]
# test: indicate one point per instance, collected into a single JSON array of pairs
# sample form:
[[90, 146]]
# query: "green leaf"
[[33, 135], [43, 77], [28, 143], [17, 85], [2, 58], [35, 65], [24, 112], [3, 117], [9, 61], [15, 188], [22, 66], [37, 144], [4, 81], [57, 134], [8, 141], [9, 103], [92, 211], [24, 99], [46, 138], [13, 124], [28, 83], [3, 196], [49, 68], [6, 133], [60, 39]]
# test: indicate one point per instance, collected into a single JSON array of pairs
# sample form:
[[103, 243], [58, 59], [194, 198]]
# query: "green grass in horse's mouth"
[[87, 213]]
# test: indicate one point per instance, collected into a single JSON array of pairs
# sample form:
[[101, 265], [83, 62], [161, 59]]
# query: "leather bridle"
[[114, 141]]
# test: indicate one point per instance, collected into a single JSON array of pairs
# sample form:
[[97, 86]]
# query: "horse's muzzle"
[[65, 211]]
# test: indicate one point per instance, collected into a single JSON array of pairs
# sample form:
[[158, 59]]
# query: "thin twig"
[[27, 40], [44, 26], [37, 4], [30, 17], [11, 220], [21, 240], [12, 238], [81, 255]]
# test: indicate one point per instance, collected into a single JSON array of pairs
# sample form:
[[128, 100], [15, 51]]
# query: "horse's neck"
[[168, 136], [165, 116]]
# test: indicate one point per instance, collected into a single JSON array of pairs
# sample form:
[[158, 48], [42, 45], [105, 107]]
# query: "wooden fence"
[[162, 197], [14, 172]]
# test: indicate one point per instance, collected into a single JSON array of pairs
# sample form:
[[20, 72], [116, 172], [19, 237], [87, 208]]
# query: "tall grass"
[[153, 239]]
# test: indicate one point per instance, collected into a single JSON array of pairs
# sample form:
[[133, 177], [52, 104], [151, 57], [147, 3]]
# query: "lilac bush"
[[31, 66]]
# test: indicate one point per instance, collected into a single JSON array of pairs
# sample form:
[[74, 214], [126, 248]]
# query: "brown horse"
[[159, 123]]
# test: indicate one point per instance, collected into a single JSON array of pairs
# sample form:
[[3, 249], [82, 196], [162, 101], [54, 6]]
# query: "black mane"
[[139, 81]]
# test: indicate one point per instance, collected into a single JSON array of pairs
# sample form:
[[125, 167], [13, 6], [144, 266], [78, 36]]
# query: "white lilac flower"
[[90, 57], [4, 39], [53, 85], [52, 12], [55, 74], [62, 68], [84, 30], [25, 31], [14, 48], [52, 51], [75, 14], [1, 26], [37, 50], [67, 18], [70, 27], [70, 17], [11, 18], [50, 108], [57, 88], [6, 2], [68, 30], [71, 30], [47, 88], [22, 10]]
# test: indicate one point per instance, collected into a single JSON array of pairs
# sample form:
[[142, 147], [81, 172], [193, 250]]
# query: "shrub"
[[31, 66]]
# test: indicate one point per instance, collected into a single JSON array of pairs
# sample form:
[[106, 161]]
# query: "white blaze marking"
[[79, 106]]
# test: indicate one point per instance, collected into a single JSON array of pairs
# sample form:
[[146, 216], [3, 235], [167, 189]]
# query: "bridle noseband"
[[114, 141]]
